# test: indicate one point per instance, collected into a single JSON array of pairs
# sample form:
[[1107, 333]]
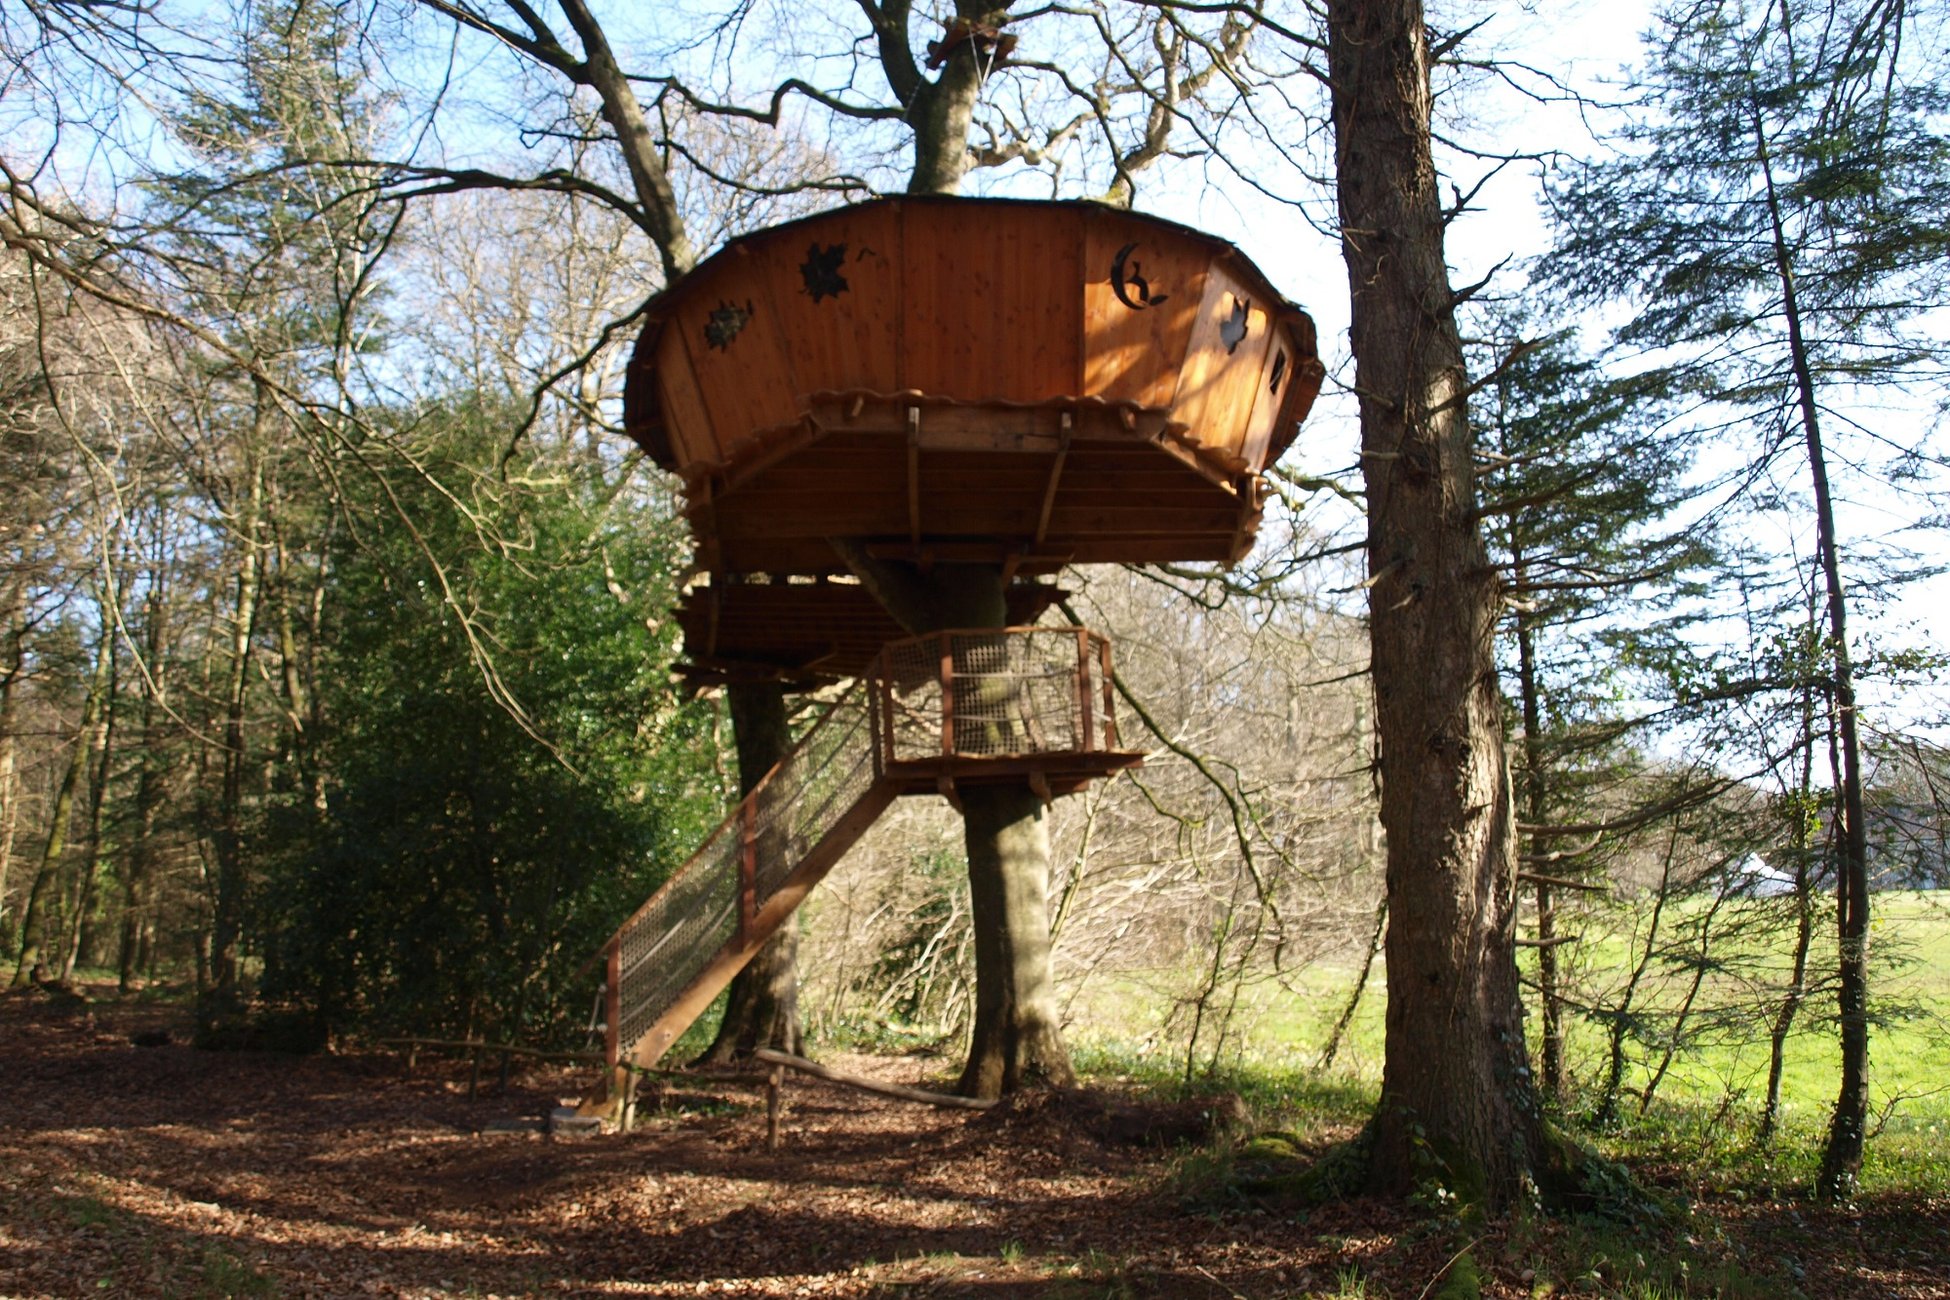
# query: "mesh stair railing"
[[682, 947], [950, 704]]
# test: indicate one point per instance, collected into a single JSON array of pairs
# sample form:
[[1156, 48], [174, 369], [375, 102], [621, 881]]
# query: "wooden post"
[[473, 1072], [947, 694], [773, 1085], [1110, 711], [882, 687], [873, 717], [613, 1009], [1088, 726]]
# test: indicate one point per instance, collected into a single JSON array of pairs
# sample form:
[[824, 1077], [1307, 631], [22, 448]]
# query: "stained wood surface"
[[803, 633], [1019, 379]]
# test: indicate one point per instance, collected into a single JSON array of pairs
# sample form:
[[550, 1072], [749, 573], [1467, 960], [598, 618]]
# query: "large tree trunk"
[[762, 1005], [1017, 1040], [1457, 1102]]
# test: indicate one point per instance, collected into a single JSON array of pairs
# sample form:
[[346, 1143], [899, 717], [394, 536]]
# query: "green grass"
[[1706, 1107]]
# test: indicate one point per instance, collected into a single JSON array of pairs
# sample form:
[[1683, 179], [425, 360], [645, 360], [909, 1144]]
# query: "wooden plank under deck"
[[803, 631], [1113, 500]]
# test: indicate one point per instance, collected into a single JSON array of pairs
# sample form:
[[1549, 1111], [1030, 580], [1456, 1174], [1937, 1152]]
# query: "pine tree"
[[1776, 215], [1582, 481], [279, 251]]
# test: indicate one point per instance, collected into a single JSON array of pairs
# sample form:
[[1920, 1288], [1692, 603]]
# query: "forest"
[[1534, 880]]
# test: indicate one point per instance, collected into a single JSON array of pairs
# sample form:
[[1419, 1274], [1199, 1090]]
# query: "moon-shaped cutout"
[[1126, 275]]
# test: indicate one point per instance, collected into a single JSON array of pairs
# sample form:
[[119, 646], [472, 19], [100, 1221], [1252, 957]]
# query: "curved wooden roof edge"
[[643, 418]]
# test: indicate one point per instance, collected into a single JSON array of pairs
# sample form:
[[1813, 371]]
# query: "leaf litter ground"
[[166, 1171]]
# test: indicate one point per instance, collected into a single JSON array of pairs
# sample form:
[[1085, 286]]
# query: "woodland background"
[[336, 677]]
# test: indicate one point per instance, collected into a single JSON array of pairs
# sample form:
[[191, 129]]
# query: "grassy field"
[[1707, 1101]]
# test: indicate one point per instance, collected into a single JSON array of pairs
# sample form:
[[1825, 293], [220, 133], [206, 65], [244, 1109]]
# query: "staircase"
[[1025, 704]]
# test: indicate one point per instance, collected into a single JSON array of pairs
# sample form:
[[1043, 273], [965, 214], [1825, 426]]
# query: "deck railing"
[[978, 694]]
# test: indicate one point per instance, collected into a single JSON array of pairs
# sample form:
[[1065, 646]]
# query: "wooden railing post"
[[874, 714], [1087, 728], [886, 696], [947, 694], [613, 1007], [1110, 711]]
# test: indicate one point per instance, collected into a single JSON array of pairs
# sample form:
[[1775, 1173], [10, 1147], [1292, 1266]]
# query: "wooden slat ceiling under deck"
[[1091, 501], [803, 633]]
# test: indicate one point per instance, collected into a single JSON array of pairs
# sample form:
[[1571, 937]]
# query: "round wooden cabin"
[[1030, 384]]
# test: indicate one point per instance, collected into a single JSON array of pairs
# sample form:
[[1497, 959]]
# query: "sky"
[[1588, 43]]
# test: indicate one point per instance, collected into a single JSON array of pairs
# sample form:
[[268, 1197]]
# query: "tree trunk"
[[762, 1005], [227, 919], [91, 865], [1017, 1040], [150, 784], [16, 640], [1535, 811], [1804, 916], [1841, 1158], [1457, 1101], [33, 920]]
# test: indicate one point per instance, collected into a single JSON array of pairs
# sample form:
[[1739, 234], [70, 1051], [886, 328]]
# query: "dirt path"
[[164, 1171]]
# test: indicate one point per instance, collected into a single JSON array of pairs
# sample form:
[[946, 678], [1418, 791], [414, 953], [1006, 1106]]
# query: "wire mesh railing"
[[713, 898], [1008, 693]]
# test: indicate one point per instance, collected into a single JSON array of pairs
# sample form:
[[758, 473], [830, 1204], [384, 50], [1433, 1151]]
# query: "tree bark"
[[12, 602], [33, 920], [762, 1005], [1804, 916], [227, 921], [1536, 812], [1841, 1157], [1457, 1101], [151, 778], [91, 865], [1017, 1040]]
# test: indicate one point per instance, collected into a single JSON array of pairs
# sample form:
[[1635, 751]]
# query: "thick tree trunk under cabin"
[[1457, 1106], [762, 1005], [1017, 1041]]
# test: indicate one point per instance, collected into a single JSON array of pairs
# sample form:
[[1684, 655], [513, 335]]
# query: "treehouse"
[[949, 397], [1021, 384]]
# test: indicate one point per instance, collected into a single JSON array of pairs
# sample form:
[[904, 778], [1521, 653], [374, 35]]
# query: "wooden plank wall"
[[978, 302]]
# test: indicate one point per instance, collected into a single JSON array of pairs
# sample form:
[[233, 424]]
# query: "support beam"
[[875, 1086]]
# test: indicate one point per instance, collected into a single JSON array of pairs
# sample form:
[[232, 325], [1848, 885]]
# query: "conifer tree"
[[1583, 476], [1776, 215]]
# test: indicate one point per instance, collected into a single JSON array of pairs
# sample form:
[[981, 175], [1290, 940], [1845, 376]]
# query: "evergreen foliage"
[[479, 840]]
